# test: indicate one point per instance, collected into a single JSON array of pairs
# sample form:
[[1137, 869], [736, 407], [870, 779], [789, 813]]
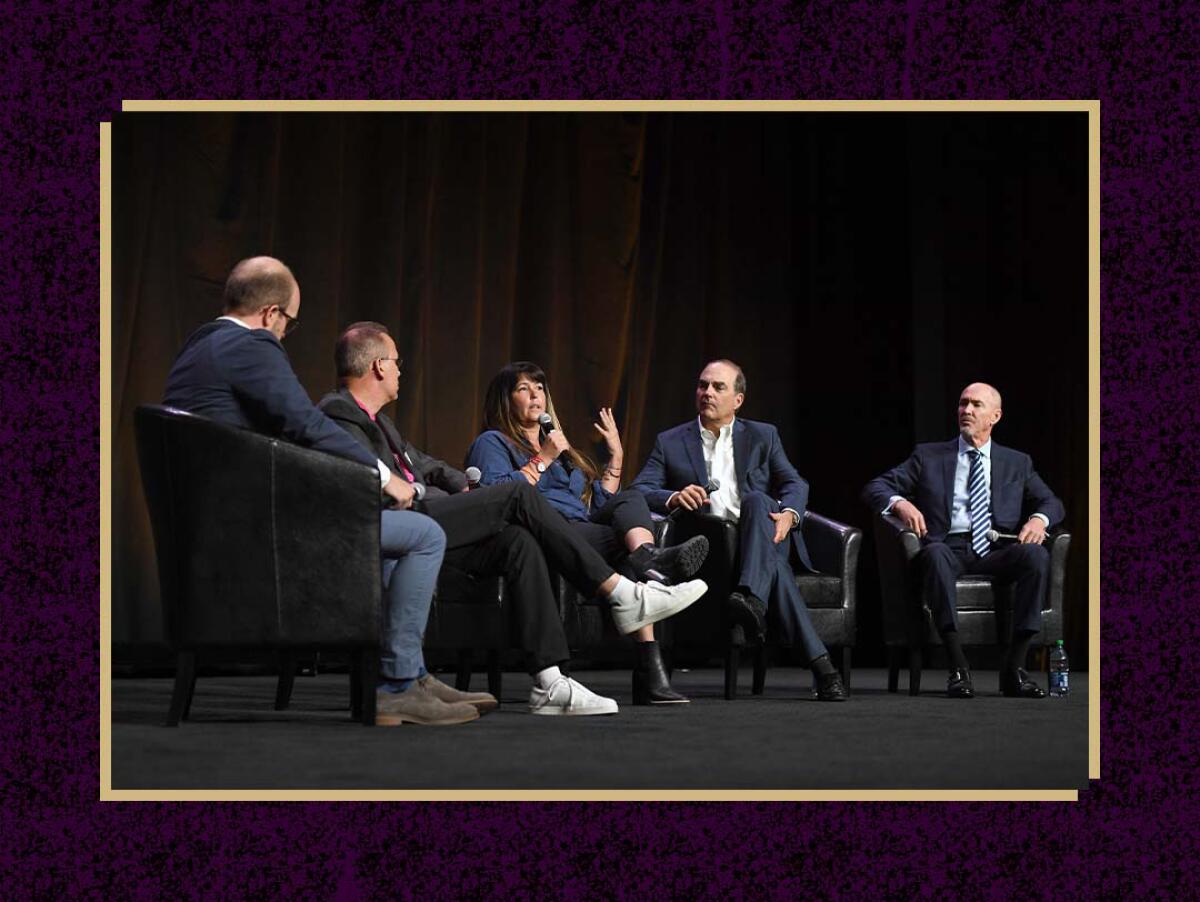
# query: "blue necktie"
[[977, 504]]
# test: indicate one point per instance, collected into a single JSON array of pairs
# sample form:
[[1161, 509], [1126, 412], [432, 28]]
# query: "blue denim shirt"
[[500, 460]]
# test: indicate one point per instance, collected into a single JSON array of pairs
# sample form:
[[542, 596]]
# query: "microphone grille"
[[473, 474], [712, 485], [992, 535], [546, 421]]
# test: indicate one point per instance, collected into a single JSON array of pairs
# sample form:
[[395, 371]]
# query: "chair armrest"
[[909, 543], [832, 546]]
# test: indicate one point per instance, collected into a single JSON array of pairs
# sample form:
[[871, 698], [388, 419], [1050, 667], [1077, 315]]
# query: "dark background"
[[862, 268]]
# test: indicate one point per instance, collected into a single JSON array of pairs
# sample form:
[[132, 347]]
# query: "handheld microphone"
[[712, 485], [418, 491], [546, 422], [993, 536], [473, 476]]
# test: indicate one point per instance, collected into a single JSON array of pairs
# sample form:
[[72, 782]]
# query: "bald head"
[[256, 283], [978, 412]]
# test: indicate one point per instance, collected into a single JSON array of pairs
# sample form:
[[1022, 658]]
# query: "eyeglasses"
[[293, 322], [399, 361]]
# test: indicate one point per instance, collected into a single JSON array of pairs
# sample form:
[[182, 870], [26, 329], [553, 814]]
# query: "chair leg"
[[494, 673], [732, 661], [914, 670], [462, 673], [846, 650], [191, 692], [760, 670], [355, 688], [368, 668], [893, 668], [287, 679], [185, 682]]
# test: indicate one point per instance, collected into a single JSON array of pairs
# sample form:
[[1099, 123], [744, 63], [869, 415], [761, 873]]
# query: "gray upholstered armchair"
[[262, 546], [830, 593], [984, 612]]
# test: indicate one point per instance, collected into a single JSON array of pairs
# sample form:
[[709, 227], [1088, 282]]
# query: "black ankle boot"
[[650, 683], [669, 565]]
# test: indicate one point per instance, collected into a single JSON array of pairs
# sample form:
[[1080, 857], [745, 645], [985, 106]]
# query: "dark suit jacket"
[[927, 480], [381, 436], [243, 377], [758, 457]]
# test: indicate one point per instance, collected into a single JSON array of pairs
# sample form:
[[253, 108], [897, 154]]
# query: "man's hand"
[[554, 444], [1033, 532], [783, 525], [691, 498], [912, 518], [400, 491]]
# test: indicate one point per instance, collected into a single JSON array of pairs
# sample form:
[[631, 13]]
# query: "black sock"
[[955, 659], [1019, 650]]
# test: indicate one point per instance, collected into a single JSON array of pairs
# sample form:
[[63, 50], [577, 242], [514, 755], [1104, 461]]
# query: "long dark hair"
[[498, 415]]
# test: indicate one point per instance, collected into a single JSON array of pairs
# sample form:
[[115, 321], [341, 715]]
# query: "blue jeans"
[[411, 546]]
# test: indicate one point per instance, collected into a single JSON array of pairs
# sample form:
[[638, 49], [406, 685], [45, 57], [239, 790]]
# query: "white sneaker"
[[565, 696], [654, 602]]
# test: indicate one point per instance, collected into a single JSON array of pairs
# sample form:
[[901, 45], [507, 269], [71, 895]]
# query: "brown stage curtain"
[[862, 268]]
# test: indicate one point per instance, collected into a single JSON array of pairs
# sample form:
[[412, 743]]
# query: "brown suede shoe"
[[483, 701], [418, 705]]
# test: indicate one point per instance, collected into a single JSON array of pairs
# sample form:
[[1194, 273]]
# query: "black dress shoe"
[[1016, 684], [830, 687], [958, 684], [670, 565], [750, 613]]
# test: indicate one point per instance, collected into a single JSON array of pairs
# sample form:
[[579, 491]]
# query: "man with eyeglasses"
[[235, 370]]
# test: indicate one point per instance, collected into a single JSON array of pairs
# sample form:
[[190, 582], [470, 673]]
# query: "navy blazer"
[[243, 377], [758, 458], [927, 480], [381, 436]]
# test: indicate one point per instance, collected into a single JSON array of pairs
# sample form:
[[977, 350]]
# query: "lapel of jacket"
[[695, 453], [741, 452], [392, 436], [949, 463], [999, 472]]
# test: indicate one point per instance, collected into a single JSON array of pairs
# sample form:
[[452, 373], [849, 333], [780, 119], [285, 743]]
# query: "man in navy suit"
[[760, 490], [951, 494]]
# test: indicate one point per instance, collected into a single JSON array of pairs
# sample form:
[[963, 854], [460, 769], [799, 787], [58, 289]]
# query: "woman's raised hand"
[[607, 427]]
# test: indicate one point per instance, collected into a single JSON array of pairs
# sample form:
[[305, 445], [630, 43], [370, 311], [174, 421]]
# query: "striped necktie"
[[977, 504]]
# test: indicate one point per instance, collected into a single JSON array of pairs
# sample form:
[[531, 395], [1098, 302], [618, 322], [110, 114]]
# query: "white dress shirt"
[[726, 502]]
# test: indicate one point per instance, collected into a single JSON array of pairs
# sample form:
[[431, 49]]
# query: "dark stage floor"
[[780, 740]]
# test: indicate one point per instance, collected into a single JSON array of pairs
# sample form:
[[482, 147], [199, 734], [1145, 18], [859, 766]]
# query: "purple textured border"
[[69, 68]]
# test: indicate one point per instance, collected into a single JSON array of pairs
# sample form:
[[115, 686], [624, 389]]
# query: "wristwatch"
[[539, 463]]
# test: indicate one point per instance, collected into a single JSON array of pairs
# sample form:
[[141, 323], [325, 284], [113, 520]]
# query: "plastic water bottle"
[[1060, 671]]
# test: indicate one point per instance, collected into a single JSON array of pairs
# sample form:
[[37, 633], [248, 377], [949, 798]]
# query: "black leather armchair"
[[984, 612], [830, 594], [261, 546]]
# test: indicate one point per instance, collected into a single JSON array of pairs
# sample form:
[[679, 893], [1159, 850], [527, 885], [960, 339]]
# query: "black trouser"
[[1027, 567], [606, 528], [482, 528], [515, 555]]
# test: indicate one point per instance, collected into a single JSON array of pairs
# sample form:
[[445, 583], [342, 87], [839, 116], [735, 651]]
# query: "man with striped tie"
[[951, 494]]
